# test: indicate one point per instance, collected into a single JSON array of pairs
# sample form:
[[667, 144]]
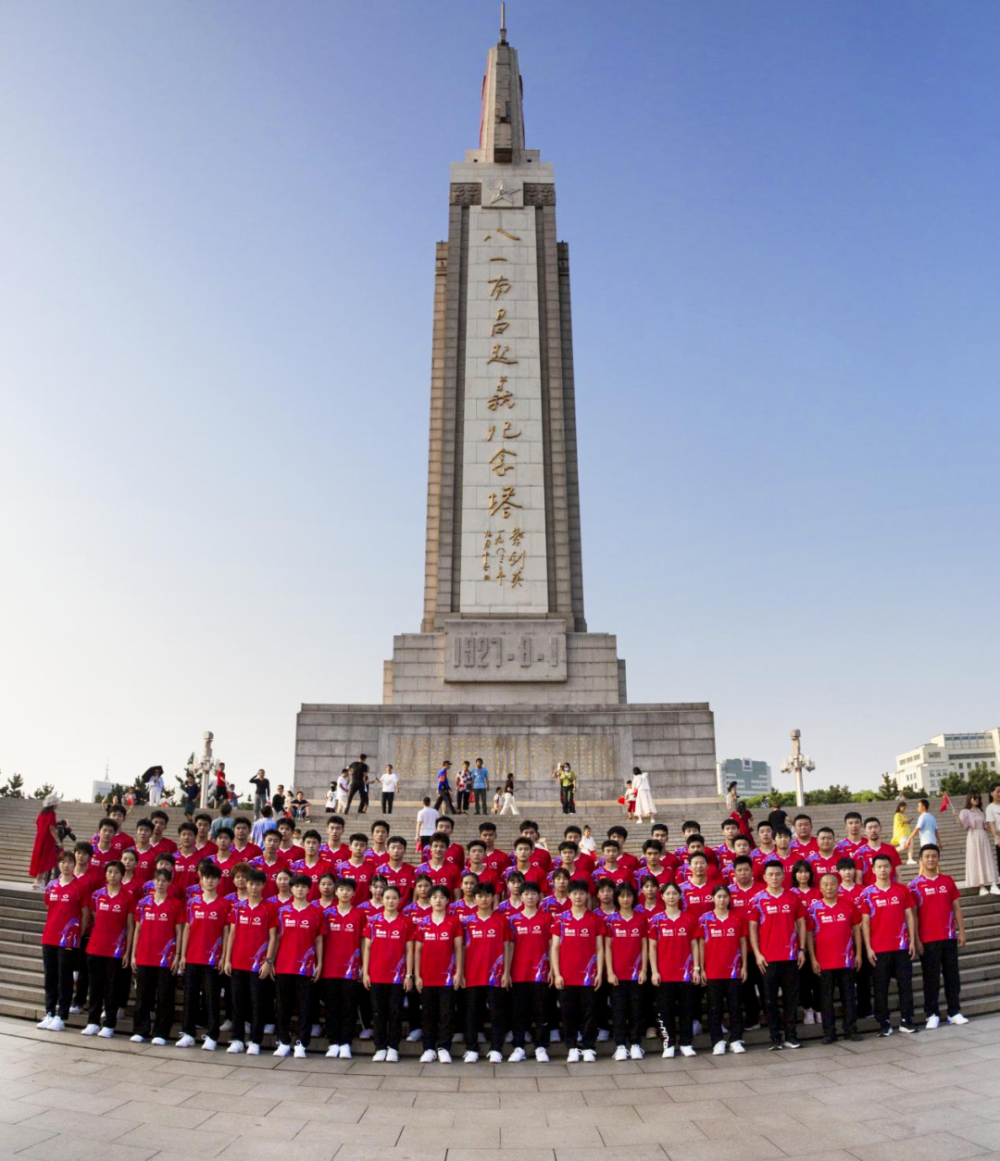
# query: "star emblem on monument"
[[503, 193]]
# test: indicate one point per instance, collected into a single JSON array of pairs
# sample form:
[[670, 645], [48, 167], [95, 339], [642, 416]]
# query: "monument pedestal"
[[675, 743]]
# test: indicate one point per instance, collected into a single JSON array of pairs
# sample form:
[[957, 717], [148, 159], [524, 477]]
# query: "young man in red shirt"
[[359, 868], [941, 932], [454, 852], [113, 909], [833, 937], [377, 850], [855, 838], [874, 846], [343, 931], [270, 862], [804, 841], [722, 951], [674, 970], [162, 845], [482, 975], [583, 861], [540, 857], [610, 867], [387, 971], [67, 902], [764, 851], [526, 974], [396, 872], [696, 846], [743, 889], [498, 861], [578, 970], [777, 936], [626, 956], [573, 863], [91, 875], [241, 839], [159, 919], [103, 849], [225, 859], [826, 858], [288, 849], [697, 888], [186, 859], [476, 865], [438, 947], [249, 960], [663, 868], [619, 835], [145, 854], [335, 850], [202, 946], [440, 872], [203, 834], [121, 840], [726, 852], [298, 963], [890, 934], [313, 865], [532, 872]]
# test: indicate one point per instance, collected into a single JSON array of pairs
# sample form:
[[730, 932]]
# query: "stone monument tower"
[[504, 667]]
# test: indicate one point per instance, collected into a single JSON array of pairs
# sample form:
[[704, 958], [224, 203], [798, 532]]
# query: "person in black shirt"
[[778, 817], [261, 791], [359, 784]]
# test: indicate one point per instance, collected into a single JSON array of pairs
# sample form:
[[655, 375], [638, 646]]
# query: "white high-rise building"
[[924, 767]]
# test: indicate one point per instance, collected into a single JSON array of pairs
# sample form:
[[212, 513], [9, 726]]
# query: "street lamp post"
[[796, 764]]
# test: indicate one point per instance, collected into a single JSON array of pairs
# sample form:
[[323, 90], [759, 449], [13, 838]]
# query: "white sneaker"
[[45, 1023], [695, 1027], [235, 1048], [444, 1056], [737, 1046], [621, 1053], [379, 1057], [253, 1049], [470, 1058], [391, 1056], [345, 1052], [91, 1030], [541, 1055], [932, 1022], [982, 891], [159, 1041], [668, 1051], [429, 1056], [282, 1050], [809, 1016], [366, 1034], [315, 1030], [137, 1039], [958, 1018], [185, 1041], [603, 1035], [494, 1057], [75, 1009], [720, 1048], [995, 890], [268, 1029], [414, 1036], [209, 1045], [589, 1056], [517, 1056], [299, 1051], [57, 1024], [636, 1052], [687, 1050], [226, 1026], [106, 1033], [573, 1056], [333, 1052]]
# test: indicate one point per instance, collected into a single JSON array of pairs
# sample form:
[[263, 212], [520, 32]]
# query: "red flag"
[[945, 802]]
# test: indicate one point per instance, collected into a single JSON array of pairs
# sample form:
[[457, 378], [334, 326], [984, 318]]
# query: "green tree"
[[43, 791], [831, 796], [980, 778], [888, 789], [13, 787]]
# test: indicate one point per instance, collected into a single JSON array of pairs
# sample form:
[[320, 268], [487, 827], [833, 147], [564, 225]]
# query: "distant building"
[[751, 777], [923, 768]]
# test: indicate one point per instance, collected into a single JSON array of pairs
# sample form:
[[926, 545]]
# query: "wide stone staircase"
[[22, 910]]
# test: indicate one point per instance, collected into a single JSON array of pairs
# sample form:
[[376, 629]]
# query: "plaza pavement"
[[931, 1097]]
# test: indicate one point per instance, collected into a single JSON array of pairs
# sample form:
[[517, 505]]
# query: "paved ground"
[[931, 1097]]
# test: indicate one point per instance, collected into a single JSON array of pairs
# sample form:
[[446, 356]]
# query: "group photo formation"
[[353, 933]]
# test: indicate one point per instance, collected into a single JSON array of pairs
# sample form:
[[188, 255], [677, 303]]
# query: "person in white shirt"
[[993, 819], [343, 790], [389, 783], [427, 820]]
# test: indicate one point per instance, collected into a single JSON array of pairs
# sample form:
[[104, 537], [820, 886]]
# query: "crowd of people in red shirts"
[[348, 939]]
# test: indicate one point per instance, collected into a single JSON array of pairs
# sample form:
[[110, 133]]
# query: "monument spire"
[[501, 124]]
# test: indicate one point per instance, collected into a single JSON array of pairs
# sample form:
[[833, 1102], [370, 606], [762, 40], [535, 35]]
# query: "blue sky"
[[217, 230]]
